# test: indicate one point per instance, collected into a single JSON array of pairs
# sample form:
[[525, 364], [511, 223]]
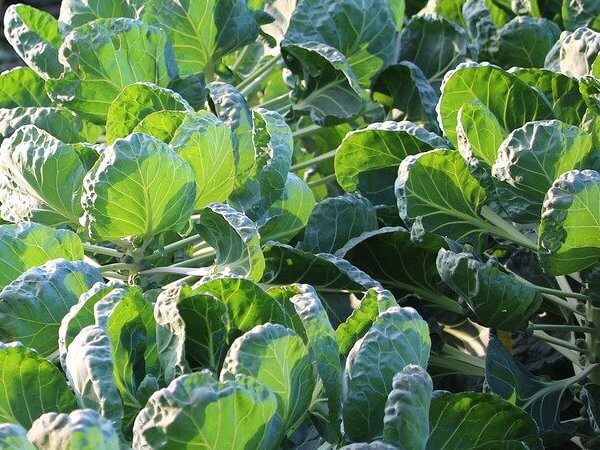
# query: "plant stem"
[[185, 242], [325, 180], [507, 230], [202, 258], [117, 266], [440, 300], [271, 103], [301, 132], [552, 327], [316, 160], [240, 58], [116, 276], [102, 250], [253, 82], [542, 336], [558, 293]]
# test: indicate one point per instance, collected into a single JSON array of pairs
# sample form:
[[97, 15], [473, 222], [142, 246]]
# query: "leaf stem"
[[301, 132], [553, 327], [185, 242], [316, 160], [254, 80], [281, 100], [117, 266], [542, 336], [325, 180], [102, 250], [506, 230]]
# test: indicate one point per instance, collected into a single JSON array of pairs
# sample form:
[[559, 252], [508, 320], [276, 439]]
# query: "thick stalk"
[[506, 230], [185, 242], [247, 88], [316, 160], [542, 336], [571, 328], [102, 250], [277, 102], [301, 132], [325, 180]]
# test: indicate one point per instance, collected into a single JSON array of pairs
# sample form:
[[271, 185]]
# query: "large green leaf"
[[326, 88], [33, 305], [541, 399], [336, 220], [513, 102], [35, 36], [276, 357], [202, 31], [161, 124], [273, 148], [135, 102], [197, 411], [437, 193], [406, 94], [562, 92], [191, 330], [139, 186], [530, 159], [580, 13], [469, 421], [324, 352], [59, 122], [229, 105], [364, 31], [21, 86], [204, 142], [398, 337], [74, 13], [406, 420], [367, 160], [14, 437], [569, 238], [375, 301], [31, 386], [574, 53], [91, 83], [524, 42], [235, 239], [288, 215], [44, 178], [28, 244], [247, 304], [498, 299], [435, 45], [80, 430]]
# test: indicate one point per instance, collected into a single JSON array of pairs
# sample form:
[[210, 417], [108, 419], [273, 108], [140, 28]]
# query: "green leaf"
[[247, 304], [435, 45], [161, 124], [324, 352], [229, 105], [14, 437], [580, 13], [139, 186], [336, 220], [391, 257], [574, 53], [363, 31], [90, 369], [448, 9], [541, 399], [32, 306], [276, 357], [74, 13], [59, 122], [530, 159], [398, 337], [367, 160], [202, 31], [21, 86], [43, 178], [375, 301], [406, 420], [568, 237], [198, 411], [35, 36], [235, 240], [326, 89], [135, 102], [513, 102], [470, 421], [524, 42], [25, 372], [28, 244], [498, 299], [436, 193], [479, 136], [273, 148], [406, 95], [204, 142], [191, 331], [90, 84], [191, 88], [80, 430], [287, 265], [290, 214]]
